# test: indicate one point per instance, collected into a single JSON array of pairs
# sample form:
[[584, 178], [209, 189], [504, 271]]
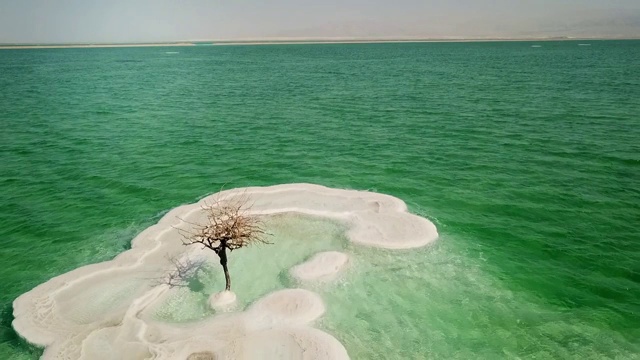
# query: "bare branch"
[[228, 221], [182, 271], [229, 225]]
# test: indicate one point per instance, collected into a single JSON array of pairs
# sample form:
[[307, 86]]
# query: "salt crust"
[[222, 301], [321, 267], [98, 311]]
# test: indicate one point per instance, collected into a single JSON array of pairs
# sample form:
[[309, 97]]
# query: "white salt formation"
[[222, 301], [102, 311], [321, 267]]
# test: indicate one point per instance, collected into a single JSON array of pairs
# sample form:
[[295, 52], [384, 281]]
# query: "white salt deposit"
[[98, 311], [323, 266], [222, 301], [289, 307]]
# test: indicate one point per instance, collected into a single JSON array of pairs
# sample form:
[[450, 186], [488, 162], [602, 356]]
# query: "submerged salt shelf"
[[106, 310]]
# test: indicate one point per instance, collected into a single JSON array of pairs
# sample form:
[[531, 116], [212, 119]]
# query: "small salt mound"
[[203, 355], [222, 301], [286, 307], [321, 267], [286, 344], [396, 230]]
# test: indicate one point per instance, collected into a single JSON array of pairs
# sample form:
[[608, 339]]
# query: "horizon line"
[[303, 40]]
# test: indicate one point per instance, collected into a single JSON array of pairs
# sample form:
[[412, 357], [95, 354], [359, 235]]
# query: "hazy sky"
[[68, 21]]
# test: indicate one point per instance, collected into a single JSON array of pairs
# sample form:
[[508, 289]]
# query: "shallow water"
[[525, 158], [256, 270]]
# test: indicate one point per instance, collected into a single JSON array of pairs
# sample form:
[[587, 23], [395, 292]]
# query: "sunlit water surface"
[[527, 160]]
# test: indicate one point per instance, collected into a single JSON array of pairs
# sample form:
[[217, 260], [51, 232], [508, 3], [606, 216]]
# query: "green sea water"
[[526, 158]]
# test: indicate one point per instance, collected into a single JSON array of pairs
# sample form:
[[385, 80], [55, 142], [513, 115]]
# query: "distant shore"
[[72, 46], [292, 42]]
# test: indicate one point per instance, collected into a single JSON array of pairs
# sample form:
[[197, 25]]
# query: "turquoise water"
[[258, 270], [527, 160]]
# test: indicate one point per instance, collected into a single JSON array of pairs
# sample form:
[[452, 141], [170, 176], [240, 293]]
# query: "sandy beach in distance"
[[72, 46], [293, 41]]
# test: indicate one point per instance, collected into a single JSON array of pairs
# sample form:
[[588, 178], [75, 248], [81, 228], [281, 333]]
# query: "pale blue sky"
[[68, 21]]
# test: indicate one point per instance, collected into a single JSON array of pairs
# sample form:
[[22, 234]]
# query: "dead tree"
[[229, 226]]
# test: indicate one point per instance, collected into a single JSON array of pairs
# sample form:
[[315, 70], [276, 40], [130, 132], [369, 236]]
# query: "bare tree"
[[229, 226]]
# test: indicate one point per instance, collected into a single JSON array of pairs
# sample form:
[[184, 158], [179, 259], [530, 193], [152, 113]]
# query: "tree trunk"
[[223, 261]]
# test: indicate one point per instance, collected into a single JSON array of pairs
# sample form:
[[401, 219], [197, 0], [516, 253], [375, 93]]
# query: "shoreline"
[[296, 42], [61, 315]]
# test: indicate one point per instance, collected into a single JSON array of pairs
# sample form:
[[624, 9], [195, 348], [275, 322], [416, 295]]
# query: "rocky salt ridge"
[[98, 311]]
